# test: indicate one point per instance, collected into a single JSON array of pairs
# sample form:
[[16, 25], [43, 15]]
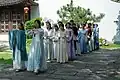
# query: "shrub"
[[30, 25]]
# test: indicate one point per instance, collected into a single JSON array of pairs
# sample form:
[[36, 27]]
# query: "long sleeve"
[[55, 36], [23, 39], [19, 40], [70, 36], [9, 37], [79, 35]]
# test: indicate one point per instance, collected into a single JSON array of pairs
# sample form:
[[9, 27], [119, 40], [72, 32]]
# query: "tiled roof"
[[13, 2], [10, 2]]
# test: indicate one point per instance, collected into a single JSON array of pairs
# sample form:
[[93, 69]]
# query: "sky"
[[48, 8]]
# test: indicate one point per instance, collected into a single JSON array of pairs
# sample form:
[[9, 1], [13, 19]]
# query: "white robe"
[[48, 44], [62, 56], [55, 44]]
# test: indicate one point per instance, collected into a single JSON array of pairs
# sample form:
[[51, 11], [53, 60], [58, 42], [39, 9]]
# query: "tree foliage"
[[78, 14], [118, 1]]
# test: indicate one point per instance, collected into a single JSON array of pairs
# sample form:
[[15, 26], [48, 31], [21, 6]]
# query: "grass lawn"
[[5, 57], [111, 46]]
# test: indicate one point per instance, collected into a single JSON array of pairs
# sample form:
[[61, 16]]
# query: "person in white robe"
[[55, 41], [49, 43], [62, 57], [37, 59]]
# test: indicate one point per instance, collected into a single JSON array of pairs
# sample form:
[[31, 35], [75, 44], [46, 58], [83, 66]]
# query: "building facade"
[[13, 12]]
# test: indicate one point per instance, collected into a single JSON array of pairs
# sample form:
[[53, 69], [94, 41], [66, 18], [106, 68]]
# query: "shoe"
[[17, 70], [36, 72]]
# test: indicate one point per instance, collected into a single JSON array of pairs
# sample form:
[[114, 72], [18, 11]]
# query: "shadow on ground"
[[98, 65]]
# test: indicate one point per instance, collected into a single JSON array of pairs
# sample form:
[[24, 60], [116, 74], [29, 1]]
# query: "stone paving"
[[99, 65]]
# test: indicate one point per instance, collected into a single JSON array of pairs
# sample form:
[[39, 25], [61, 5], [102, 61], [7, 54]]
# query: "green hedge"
[[30, 25]]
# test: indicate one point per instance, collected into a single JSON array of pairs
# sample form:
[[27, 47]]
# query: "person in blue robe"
[[12, 41], [20, 56], [97, 37], [37, 57], [82, 38]]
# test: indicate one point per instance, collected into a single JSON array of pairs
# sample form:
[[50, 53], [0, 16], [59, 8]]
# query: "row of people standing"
[[48, 44], [64, 42]]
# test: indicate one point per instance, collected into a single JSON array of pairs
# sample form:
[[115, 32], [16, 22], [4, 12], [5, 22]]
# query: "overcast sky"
[[107, 26]]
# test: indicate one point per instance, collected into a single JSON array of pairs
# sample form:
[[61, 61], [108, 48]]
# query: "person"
[[20, 58], [49, 43], [75, 34], [59, 23], [37, 58], [70, 42], [78, 52], [62, 57], [12, 39], [89, 35], [55, 41], [92, 38], [97, 37], [82, 38], [94, 35]]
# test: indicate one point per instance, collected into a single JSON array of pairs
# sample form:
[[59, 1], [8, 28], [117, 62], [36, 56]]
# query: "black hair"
[[42, 24], [74, 24], [61, 25], [59, 22], [21, 26], [55, 25], [49, 24], [89, 24], [67, 23], [71, 21], [97, 25], [84, 25], [39, 23]]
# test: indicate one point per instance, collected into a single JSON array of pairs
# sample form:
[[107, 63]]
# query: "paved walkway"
[[99, 65]]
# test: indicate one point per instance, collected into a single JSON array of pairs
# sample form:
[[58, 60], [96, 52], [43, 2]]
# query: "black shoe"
[[36, 73]]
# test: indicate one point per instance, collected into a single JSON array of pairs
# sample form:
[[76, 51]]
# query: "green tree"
[[78, 14], [118, 1]]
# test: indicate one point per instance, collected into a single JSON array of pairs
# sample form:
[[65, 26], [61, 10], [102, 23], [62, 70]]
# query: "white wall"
[[35, 12], [107, 26]]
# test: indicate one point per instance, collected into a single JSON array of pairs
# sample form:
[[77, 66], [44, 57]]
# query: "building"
[[13, 12]]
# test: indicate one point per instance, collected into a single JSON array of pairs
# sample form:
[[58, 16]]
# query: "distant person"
[[70, 42], [89, 35], [82, 38], [55, 41], [62, 57], [75, 34], [97, 36], [49, 43]]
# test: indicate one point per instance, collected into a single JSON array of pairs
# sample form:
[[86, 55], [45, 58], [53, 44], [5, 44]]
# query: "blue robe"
[[97, 38], [20, 56], [21, 44], [82, 38], [12, 41], [37, 56]]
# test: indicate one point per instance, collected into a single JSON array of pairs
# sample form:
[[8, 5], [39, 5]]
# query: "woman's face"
[[67, 26], [56, 28], [19, 27], [48, 25], [61, 28]]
